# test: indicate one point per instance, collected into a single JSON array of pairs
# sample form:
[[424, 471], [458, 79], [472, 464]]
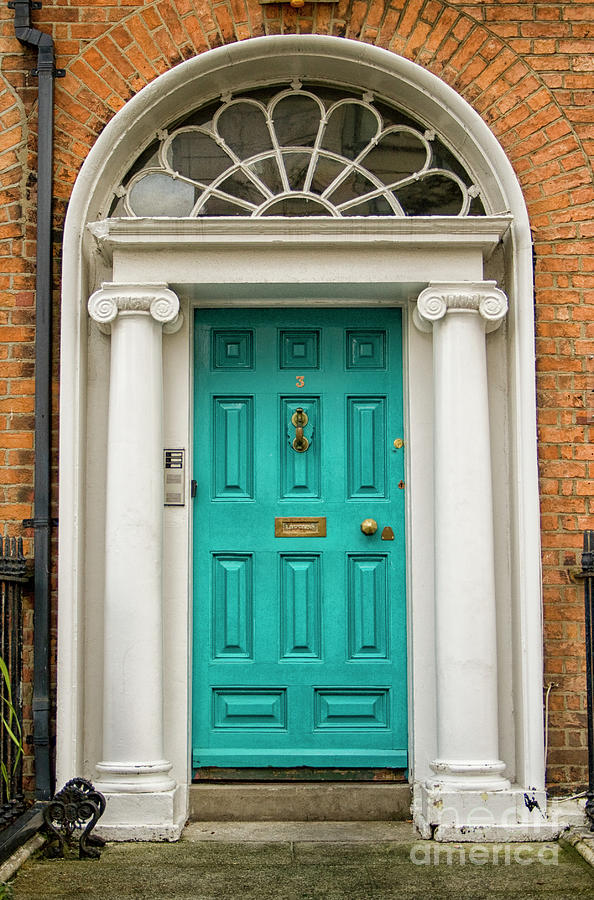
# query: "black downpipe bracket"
[[45, 73]]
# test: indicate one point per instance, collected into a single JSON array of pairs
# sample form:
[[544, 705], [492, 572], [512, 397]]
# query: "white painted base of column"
[[456, 775], [482, 816], [132, 778], [158, 816]]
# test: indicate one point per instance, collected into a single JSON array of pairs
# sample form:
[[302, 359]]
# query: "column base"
[[134, 778], [461, 775], [156, 816], [443, 813]]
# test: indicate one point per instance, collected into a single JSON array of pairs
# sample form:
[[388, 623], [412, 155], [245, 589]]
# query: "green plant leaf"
[[15, 740], [5, 778], [4, 670], [11, 714], [12, 727]]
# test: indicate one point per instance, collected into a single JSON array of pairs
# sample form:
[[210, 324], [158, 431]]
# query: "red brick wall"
[[526, 67]]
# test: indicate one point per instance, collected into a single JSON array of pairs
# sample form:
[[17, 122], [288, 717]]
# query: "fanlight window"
[[300, 151]]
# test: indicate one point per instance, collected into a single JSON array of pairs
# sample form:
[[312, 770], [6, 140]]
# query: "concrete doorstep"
[[301, 832], [299, 802]]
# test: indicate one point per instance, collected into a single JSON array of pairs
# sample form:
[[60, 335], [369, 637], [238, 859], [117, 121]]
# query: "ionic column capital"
[[155, 300], [482, 298]]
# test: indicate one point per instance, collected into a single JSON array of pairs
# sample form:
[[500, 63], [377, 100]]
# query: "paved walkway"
[[306, 861]]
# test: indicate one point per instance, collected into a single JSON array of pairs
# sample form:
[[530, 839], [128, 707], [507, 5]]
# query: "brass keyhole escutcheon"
[[300, 420], [368, 526]]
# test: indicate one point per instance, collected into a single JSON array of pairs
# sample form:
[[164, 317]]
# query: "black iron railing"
[[12, 578]]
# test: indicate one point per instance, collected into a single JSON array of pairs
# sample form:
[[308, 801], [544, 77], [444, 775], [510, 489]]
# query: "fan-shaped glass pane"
[[296, 206], [117, 208], [442, 195], [148, 159], [354, 185], [244, 129], [239, 185], [442, 158], [201, 116], [267, 171], [379, 206], [158, 194], [325, 172], [296, 121], [396, 155], [197, 156], [350, 128], [476, 207], [216, 206], [296, 165]]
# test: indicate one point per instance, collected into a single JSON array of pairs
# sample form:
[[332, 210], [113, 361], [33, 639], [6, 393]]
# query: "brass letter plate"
[[303, 526]]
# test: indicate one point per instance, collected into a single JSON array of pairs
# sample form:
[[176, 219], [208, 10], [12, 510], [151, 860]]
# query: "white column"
[[466, 648], [133, 746]]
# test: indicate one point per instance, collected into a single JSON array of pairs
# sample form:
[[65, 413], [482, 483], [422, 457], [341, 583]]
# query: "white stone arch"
[[428, 99]]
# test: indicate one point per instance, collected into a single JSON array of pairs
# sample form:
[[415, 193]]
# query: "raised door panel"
[[300, 606], [368, 619], [232, 606], [233, 448], [300, 473], [366, 446]]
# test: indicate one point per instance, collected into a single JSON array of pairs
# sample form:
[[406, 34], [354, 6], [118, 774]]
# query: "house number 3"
[[300, 381]]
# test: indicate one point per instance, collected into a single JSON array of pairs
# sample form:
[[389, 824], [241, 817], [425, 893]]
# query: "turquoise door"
[[299, 617]]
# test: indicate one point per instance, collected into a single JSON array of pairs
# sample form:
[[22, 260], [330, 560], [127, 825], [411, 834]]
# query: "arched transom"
[[304, 150]]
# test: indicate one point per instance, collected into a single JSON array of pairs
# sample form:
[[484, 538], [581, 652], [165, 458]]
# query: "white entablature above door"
[[350, 252]]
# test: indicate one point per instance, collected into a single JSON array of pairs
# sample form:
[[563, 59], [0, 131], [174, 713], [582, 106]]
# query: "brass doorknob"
[[368, 526]]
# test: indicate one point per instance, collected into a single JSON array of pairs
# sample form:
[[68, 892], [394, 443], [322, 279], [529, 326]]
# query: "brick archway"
[[482, 56]]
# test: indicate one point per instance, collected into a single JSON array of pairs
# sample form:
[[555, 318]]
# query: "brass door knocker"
[[300, 420]]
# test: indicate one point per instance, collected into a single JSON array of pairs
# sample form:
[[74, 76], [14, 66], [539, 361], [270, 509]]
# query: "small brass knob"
[[368, 526]]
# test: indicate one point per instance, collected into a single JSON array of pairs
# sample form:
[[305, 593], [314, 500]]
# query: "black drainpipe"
[[45, 72]]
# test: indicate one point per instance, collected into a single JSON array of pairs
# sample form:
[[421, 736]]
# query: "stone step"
[[311, 802], [300, 832]]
